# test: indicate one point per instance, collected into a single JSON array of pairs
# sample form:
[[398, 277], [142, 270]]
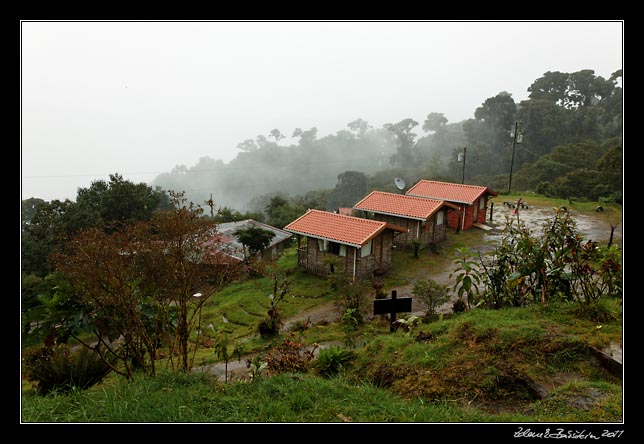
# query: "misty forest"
[[570, 130]]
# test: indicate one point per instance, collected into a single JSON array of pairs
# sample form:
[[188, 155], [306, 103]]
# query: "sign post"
[[392, 306]]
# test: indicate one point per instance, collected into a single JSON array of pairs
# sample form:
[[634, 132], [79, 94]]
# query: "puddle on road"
[[592, 228]]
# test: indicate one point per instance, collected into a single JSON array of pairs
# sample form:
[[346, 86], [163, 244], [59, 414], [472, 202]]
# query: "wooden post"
[[394, 296]]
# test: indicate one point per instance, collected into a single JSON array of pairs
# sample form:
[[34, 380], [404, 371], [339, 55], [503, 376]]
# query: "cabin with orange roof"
[[330, 242], [424, 218], [471, 200]]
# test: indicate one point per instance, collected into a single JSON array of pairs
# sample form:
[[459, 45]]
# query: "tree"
[[351, 187], [405, 140], [182, 259], [247, 146], [359, 127], [435, 122], [43, 234], [120, 201], [137, 284], [254, 239], [277, 135]]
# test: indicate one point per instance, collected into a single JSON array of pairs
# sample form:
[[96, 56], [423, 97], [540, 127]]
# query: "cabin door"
[[475, 219]]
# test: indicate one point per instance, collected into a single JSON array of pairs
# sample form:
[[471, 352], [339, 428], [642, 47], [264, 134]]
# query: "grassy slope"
[[475, 364]]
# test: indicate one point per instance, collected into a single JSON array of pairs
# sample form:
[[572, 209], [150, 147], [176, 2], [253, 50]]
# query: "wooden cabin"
[[471, 200], [424, 218], [329, 242]]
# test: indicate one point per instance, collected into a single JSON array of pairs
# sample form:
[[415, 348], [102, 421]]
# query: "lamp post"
[[461, 158], [516, 138]]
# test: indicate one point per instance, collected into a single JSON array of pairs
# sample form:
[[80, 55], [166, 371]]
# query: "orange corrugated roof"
[[348, 230], [411, 207], [451, 192]]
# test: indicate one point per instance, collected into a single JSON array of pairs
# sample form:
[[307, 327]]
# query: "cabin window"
[[481, 203], [323, 245], [333, 248], [343, 250], [440, 217], [366, 249]]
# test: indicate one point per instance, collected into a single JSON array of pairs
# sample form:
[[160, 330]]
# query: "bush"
[[63, 368], [290, 356], [431, 293], [332, 360], [459, 306]]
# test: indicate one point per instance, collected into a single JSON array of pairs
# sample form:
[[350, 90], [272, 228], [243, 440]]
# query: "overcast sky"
[[139, 98]]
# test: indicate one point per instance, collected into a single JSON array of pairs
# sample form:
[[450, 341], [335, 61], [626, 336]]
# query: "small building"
[[471, 200], [230, 244], [329, 242], [424, 218]]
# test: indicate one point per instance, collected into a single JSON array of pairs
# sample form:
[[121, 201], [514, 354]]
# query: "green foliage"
[[467, 274], [350, 323], [332, 360], [351, 294], [431, 293], [408, 324], [62, 368], [256, 366], [405, 139], [255, 239], [557, 264], [222, 350], [351, 187]]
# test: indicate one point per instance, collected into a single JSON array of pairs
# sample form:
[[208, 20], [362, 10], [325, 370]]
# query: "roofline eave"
[[315, 236]]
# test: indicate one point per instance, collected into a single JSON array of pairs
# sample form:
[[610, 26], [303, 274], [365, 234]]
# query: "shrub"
[[431, 293], [290, 356], [62, 368], [332, 360], [459, 306]]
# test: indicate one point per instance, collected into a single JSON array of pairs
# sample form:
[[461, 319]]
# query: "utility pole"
[[463, 176], [514, 144], [461, 158]]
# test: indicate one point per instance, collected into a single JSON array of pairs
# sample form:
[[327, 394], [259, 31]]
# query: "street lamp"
[[516, 138], [461, 158]]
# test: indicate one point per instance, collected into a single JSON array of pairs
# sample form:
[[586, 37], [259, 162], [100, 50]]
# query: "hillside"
[[523, 364]]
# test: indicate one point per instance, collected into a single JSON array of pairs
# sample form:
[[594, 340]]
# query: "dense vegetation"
[[480, 365]]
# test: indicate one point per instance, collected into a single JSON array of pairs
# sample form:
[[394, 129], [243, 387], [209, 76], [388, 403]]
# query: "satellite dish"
[[400, 183]]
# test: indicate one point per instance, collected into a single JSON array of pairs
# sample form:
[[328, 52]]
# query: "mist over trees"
[[570, 121]]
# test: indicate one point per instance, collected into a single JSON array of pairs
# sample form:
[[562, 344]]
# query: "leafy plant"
[[62, 368], [349, 326], [221, 349], [467, 273], [332, 360], [256, 367]]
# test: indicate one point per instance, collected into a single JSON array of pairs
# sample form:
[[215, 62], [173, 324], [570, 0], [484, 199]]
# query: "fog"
[[145, 98]]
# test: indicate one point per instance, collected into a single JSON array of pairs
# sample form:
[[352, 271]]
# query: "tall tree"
[[405, 139]]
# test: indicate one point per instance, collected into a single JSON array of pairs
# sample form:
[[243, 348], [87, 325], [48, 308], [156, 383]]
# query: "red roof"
[[451, 192], [411, 207], [339, 228]]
